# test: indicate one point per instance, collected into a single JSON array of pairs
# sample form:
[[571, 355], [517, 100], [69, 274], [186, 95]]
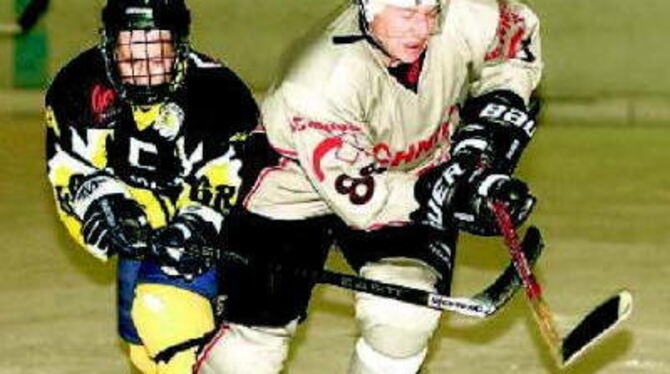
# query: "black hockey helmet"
[[146, 15]]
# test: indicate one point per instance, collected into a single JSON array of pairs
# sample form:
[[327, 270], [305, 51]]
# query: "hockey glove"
[[114, 224], [496, 128], [459, 194], [186, 247]]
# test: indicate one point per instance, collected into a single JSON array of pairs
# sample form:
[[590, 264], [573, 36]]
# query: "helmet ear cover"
[[146, 15]]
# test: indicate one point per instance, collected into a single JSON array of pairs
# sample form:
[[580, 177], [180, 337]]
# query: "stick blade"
[[596, 325]]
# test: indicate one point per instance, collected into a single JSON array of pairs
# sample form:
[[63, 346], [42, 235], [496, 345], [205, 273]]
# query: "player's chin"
[[409, 51], [409, 55]]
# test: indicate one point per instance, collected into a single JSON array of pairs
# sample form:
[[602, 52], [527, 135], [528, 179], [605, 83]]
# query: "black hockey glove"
[[496, 127], [459, 194], [115, 224], [186, 247]]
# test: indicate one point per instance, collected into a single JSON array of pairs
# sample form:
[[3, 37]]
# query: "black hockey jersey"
[[183, 154]]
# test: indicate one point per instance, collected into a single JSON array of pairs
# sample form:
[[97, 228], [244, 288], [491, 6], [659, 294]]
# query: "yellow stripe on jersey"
[[152, 207], [51, 120], [61, 172], [217, 184], [239, 137], [99, 150], [73, 227], [145, 116]]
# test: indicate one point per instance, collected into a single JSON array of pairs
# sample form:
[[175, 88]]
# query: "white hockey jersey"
[[353, 139]]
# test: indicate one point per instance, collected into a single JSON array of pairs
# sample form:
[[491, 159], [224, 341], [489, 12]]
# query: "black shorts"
[[264, 295]]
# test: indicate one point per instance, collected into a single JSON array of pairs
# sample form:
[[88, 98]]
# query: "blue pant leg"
[[204, 284], [127, 275]]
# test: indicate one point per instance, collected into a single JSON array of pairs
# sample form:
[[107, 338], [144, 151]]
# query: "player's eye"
[[157, 61]]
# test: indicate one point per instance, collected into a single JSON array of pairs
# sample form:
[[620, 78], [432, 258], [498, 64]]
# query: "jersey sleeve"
[[331, 139], [210, 189], [212, 150], [513, 59], [76, 156]]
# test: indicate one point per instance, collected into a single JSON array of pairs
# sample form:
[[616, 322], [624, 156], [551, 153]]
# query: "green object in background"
[[30, 55]]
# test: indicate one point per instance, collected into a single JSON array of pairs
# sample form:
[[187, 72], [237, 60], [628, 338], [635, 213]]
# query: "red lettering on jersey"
[[511, 29], [404, 156], [382, 154], [320, 152], [385, 157], [299, 124], [428, 144], [101, 99]]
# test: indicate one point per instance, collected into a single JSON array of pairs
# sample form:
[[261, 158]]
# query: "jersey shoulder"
[[483, 23], [208, 73], [475, 21], [332, 59], [79, 89], [77, 76], [217, 96], [333, 73]]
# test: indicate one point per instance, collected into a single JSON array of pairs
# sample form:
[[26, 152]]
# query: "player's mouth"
[[415, 47]]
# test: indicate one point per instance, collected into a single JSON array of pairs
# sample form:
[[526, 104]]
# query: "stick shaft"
[[541, 312]]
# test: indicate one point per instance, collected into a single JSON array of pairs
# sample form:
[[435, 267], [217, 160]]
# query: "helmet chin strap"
[[367, 35], [370, 38]]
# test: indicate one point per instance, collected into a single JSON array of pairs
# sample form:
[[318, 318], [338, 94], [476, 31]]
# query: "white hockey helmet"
[[370, 8]]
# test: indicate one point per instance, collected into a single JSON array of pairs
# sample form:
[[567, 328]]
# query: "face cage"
[[145, 94]]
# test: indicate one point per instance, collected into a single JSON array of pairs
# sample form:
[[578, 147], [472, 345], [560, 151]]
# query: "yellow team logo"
[[170, 120]]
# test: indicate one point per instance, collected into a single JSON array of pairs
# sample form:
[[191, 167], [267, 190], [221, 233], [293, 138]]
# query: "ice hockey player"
[[144, 143], [392, 133]]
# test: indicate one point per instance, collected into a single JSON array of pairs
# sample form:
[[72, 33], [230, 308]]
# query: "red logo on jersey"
[[299, 124], [388, 158], [511, 31], [348, 148], [320, 152], [101, 99]]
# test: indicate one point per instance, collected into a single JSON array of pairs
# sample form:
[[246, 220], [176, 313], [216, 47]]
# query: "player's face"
[[404, 31], [145, 57]]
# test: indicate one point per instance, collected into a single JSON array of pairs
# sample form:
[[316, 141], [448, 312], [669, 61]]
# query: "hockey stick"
[[482, 305], [592, 327]]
